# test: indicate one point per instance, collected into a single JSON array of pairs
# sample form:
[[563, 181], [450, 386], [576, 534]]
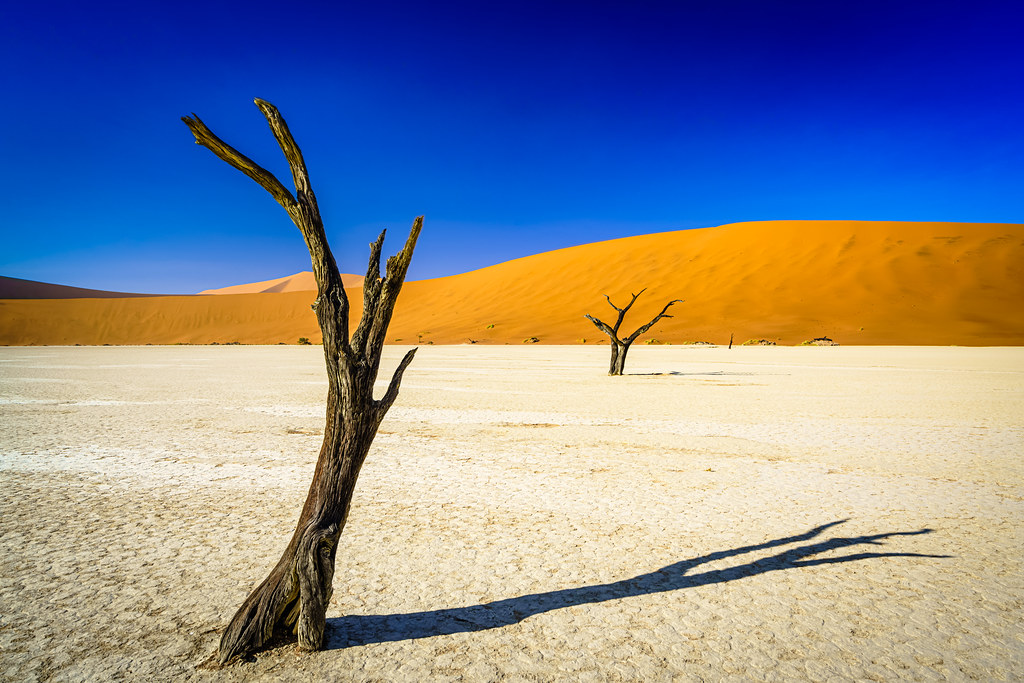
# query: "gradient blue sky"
[[516, 127]]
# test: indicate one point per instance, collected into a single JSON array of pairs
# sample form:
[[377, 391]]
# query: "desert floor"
[[755, 513]]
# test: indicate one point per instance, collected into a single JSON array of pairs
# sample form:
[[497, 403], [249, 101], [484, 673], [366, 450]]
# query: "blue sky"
[[515, 127]]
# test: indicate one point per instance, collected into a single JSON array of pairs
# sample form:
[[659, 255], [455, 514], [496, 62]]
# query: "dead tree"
[[621, 346], [293, 599]]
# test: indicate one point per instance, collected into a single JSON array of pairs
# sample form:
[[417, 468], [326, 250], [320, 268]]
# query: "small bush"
[[819, 341], [758, 342], [531, 340], [305, 341]]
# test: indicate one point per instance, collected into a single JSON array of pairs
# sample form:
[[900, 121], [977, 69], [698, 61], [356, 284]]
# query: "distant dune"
[[300, 282], [15, 288], [787, 281]]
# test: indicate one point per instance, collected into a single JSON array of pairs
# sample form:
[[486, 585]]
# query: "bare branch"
[[633, 300], [397, 267], [618, 319], [288, 145], [306, 213], [611, 304], [603, 326], [331, 305], [631, 338], [373, 267], [225, 152], [372, 285], [384, 404], [622, 312], [398, 264]]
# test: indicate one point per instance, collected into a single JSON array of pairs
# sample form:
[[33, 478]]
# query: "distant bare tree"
[[621, 346], [293, 599]]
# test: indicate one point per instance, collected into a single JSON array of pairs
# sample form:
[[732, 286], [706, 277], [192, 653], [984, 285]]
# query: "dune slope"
[[300, 282], [16, 288], [788, 281]]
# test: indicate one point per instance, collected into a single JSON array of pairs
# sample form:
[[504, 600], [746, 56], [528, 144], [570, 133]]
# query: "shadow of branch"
[[676, 373], [353, 630]]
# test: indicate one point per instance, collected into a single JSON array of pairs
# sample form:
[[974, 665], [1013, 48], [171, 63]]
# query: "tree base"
[[291, 603]]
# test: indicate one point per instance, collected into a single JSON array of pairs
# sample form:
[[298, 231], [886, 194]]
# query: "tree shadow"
[[676, 373], [357, 629]]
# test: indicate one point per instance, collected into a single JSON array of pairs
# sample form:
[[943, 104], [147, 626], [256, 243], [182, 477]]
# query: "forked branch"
[[267, 180], [331, 305], [300, 176], [381, 294], [622, 311], [664, 314], [613, 330]]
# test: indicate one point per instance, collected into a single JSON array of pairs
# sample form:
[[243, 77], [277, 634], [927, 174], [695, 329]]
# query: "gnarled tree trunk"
[[293, 599], [621, 346], [618, 357]]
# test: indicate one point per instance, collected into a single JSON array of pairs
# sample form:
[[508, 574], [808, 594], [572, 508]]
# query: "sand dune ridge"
[[857, 282]]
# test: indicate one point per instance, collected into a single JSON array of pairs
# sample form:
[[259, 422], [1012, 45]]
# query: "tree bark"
[[621, 346], [293, 599], [618, 363]]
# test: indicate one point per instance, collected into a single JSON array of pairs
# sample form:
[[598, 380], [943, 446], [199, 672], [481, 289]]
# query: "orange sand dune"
[[16, 288], [857, 282], [300, 282]]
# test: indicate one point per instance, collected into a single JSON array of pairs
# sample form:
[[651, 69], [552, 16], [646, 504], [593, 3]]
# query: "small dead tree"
[[621, 346], [293, 599]]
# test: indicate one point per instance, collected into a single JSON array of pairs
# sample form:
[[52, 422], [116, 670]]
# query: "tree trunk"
[[618, 363], [293, 599]]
